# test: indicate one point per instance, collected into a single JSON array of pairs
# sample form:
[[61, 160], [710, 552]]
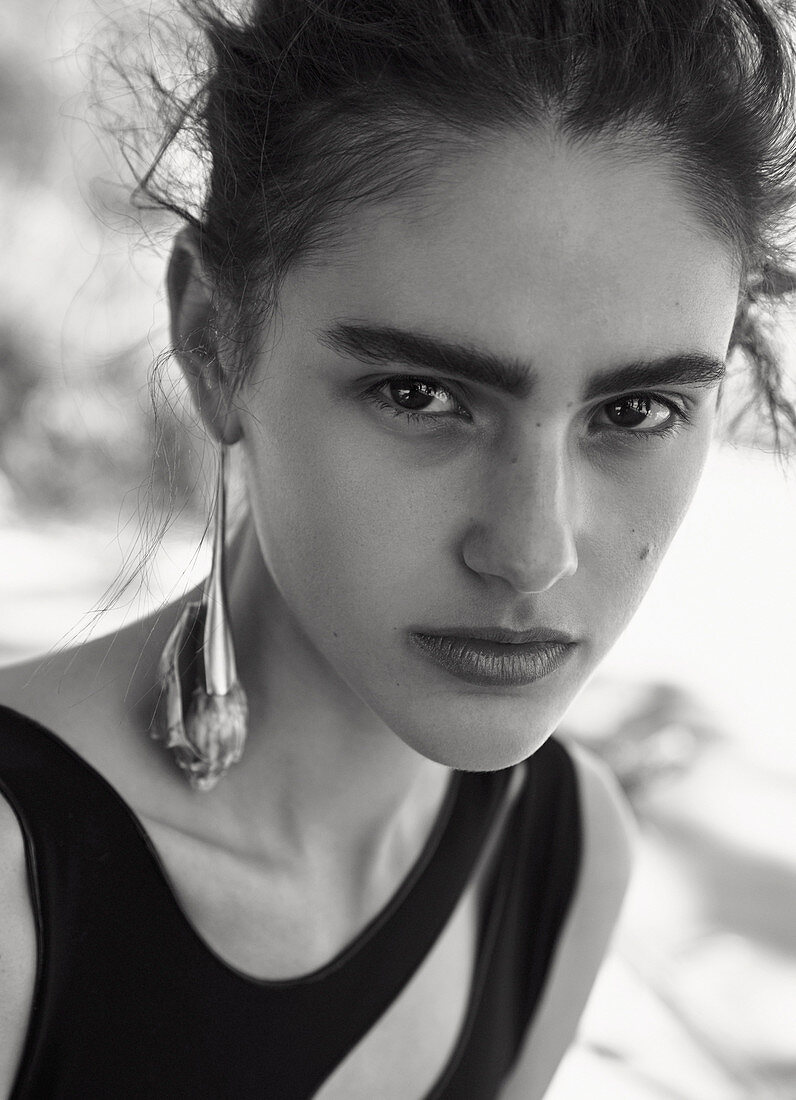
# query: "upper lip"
[[540, 635]]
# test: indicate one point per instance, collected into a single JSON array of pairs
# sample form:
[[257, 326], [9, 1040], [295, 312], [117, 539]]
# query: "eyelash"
[[377, 396], [679, 416]]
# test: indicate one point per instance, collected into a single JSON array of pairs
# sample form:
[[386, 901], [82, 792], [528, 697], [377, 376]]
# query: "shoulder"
[[17, 946], [105, 680], [97, 698], [606, 862]]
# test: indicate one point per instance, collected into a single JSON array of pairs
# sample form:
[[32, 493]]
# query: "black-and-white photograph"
[[398, 550]]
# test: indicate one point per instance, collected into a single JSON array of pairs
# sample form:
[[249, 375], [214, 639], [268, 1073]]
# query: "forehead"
[[531, 245]]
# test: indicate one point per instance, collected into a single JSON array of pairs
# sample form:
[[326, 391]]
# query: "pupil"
[[411, 395], [636, 415]]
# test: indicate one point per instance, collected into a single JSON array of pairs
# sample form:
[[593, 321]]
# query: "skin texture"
[[525, 514]]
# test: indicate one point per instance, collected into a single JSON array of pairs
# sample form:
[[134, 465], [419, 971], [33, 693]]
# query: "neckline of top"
[[349, 950], [455, 789]]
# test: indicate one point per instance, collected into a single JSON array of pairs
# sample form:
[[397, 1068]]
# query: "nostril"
[[535, 570]]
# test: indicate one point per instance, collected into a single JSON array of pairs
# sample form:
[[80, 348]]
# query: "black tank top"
[[130, 1002]]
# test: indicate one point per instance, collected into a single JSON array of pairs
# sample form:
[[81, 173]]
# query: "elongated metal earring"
[[206, 735]]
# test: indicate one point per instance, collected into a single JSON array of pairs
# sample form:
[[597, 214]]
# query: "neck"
[[322, 777]]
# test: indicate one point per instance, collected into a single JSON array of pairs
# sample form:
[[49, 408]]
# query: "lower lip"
[[493, 664]]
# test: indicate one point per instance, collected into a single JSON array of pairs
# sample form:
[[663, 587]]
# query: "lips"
[[495, 656]]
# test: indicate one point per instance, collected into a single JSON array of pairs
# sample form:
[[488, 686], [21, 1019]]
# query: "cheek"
[[343, 534], [635, 522]]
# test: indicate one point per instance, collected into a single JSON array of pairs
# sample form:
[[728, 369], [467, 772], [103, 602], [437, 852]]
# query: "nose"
[[524, 533]]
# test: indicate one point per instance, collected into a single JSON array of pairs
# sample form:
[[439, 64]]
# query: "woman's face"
[[406, 496]]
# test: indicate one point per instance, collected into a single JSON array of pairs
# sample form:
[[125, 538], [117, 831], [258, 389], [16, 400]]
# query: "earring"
[[208, 735]]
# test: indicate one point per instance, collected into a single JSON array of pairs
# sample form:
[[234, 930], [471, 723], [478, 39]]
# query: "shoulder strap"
[[531, 890]]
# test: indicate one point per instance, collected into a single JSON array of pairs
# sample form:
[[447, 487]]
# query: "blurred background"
[[693, 710]]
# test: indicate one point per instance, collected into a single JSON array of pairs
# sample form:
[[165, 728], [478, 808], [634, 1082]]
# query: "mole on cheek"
[[645, 551]]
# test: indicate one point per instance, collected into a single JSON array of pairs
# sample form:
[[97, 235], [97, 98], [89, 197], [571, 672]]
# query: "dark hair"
[[299, 109]]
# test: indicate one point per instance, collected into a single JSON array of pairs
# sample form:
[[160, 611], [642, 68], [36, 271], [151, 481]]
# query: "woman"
[[459, 294]]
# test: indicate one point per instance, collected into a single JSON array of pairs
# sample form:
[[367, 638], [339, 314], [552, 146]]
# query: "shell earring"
[[206, 735]]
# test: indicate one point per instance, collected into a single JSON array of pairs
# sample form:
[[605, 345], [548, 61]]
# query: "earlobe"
[[194, 336]]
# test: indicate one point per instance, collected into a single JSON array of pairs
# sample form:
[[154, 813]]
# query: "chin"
[[477, 737]]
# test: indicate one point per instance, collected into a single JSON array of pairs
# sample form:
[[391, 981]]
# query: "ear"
[[195, 338]]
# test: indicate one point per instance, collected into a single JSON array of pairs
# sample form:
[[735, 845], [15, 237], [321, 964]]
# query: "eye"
[[416, 399], [643, 414]]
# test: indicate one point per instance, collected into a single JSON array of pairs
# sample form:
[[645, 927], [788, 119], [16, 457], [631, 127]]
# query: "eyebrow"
[[388, 346]]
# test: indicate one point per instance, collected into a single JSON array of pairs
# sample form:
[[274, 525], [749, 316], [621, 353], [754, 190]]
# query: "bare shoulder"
[[47, 688], [68, 687], [608, 838], [17, 946], [97, 696]]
